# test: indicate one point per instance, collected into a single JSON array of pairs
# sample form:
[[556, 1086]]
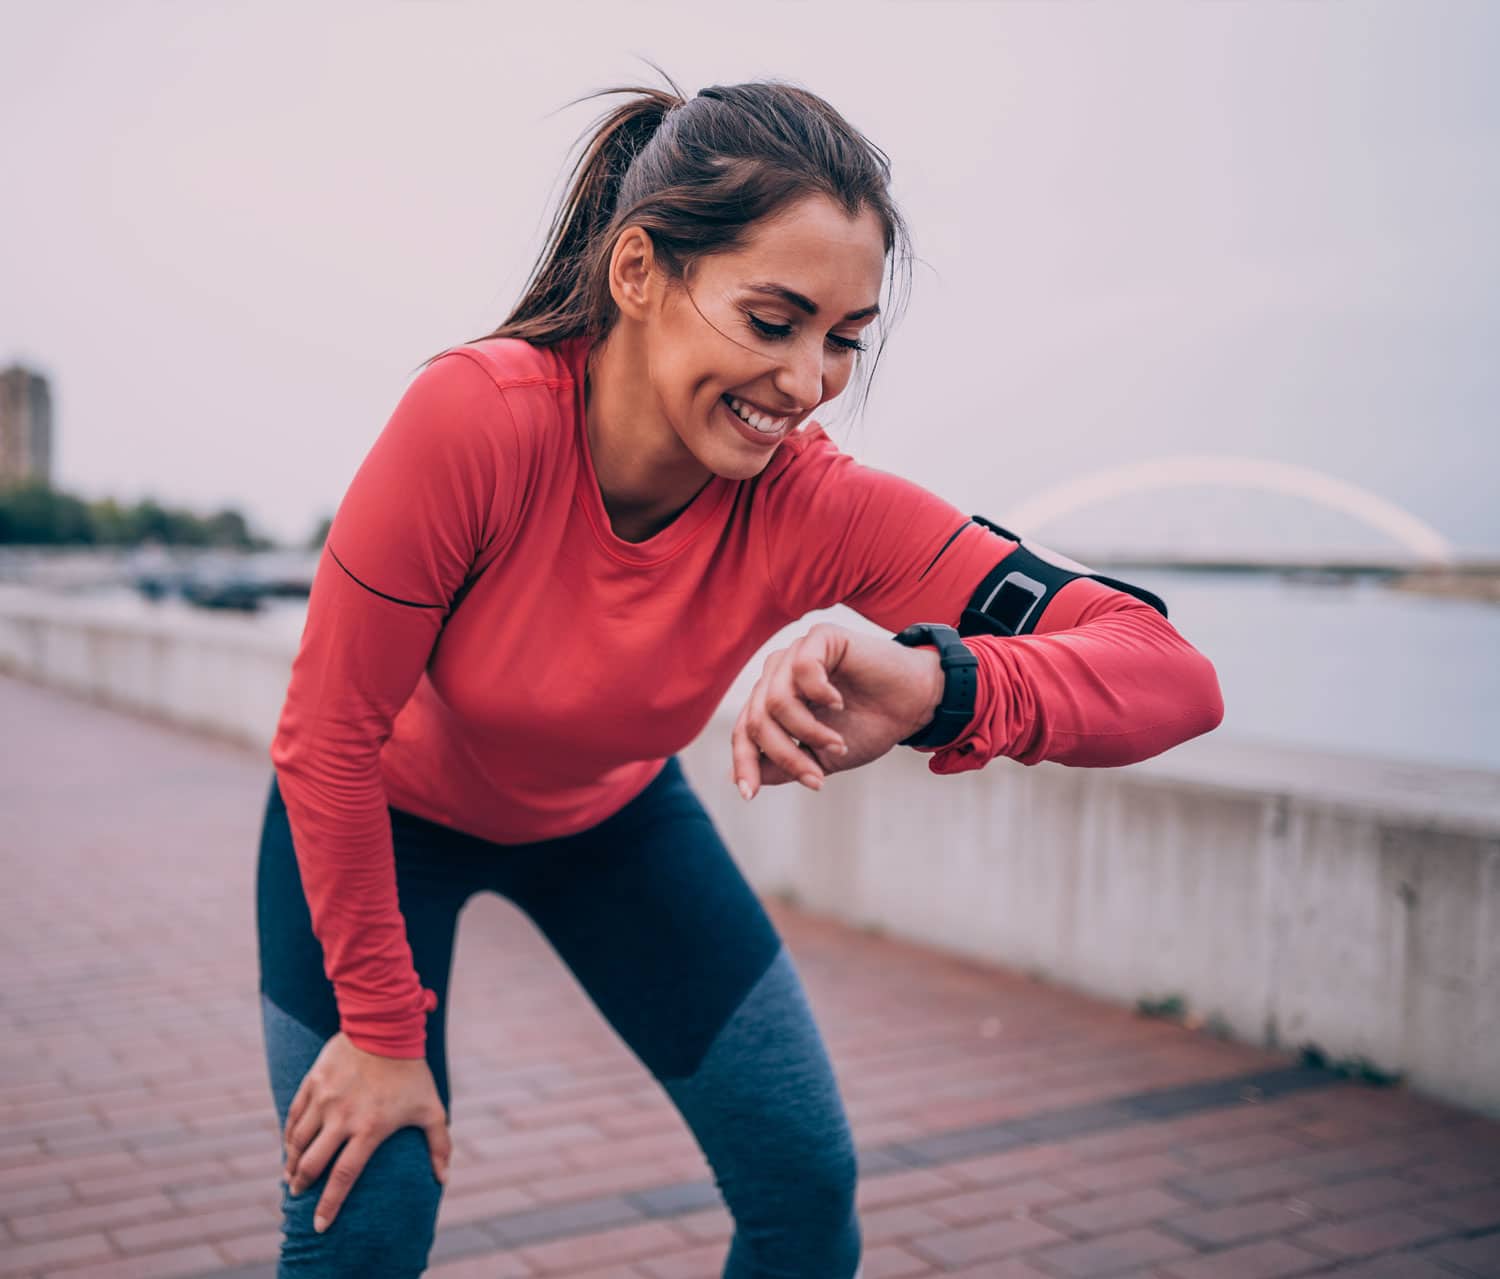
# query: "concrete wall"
[[210, 672], [1292, 896], [1292, 917]]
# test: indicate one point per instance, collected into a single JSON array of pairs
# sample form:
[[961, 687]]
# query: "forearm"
[[359, 657], [1120, 686], [342, 839]]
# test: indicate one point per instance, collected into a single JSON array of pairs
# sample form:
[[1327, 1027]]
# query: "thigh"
[[435, 876], [655, 919], [651, 914]]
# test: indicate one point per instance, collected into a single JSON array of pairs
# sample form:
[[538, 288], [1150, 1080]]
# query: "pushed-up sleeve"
[[427, 506], [1103, 679]]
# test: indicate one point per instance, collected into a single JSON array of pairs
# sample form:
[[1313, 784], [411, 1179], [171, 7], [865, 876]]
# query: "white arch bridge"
[[1423, 543]]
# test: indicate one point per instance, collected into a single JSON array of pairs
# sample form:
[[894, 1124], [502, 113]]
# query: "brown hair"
[[695, 175]]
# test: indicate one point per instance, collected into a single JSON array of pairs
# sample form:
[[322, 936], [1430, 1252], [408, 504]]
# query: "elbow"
[[1196, 708], [1207, 698], [282, 755], [293, 744], [1195, 702], [1199, 699], [287, 741]]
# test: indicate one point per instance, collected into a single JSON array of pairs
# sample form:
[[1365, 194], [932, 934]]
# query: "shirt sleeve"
[[1103, 680], [426, 509]]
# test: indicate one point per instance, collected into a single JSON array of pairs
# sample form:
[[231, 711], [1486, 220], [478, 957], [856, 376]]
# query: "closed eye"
[[777, 332]]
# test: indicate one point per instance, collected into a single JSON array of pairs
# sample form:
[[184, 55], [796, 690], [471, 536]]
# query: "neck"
[[646, 475]]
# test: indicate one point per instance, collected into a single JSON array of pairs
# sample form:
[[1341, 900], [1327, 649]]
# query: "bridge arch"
[[1417, 536]]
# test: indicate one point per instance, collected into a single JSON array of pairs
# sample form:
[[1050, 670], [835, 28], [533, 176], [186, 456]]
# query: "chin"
[[733, 467]]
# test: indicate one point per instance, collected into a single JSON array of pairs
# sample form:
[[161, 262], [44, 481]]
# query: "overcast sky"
[[229, 231]]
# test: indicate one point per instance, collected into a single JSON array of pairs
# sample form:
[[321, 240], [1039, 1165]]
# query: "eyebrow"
[[797, 300]]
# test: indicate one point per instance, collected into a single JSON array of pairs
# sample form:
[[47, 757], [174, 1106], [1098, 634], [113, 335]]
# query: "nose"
[[799, 377]]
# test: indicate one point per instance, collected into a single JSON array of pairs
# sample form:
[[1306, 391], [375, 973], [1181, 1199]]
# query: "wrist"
[[948, 690], [931, 680], [936, 680]]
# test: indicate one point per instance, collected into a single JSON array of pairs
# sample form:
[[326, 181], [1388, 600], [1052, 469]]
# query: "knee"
[[798, 1216], [826, 1182], [825, 1216], [385, 1227]]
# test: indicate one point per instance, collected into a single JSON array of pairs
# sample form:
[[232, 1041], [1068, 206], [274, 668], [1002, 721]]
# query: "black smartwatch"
[[961, 682]]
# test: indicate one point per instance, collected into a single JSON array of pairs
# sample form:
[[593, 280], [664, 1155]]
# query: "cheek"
[[838, 377]]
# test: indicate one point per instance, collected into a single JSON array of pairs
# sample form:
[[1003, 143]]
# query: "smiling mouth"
[[759, 422]]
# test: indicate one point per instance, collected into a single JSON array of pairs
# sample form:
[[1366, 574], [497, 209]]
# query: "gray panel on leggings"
[[764, 1105], [291, 1050]]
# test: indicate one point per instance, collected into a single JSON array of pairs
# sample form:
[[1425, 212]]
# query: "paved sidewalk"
[[1007, 1129]]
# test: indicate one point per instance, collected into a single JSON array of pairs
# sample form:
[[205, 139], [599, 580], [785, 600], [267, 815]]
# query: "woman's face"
[[770, 329]]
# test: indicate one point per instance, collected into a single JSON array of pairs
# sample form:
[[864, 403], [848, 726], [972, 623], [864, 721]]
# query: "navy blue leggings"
[[652, 916]]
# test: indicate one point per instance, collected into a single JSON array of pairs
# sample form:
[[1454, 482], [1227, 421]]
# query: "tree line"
[[35, 514]]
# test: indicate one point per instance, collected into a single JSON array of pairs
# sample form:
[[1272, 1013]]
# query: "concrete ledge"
[[212, 673], [1293, 896], [1287, 916]]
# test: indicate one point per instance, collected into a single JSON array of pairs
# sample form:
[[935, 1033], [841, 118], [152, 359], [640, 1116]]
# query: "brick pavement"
[[1007, 1129]]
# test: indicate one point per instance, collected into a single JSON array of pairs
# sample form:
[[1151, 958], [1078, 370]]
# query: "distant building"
[[25, 427]]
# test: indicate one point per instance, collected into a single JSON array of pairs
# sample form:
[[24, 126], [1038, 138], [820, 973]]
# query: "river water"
[[1349, 666], [1355, 667]]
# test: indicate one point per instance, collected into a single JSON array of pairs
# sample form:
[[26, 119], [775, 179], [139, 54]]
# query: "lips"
[[748, 432], [758, 418]]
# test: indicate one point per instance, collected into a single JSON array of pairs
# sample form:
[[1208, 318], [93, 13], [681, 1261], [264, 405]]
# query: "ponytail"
[[559, 299], [696, 175], [556, 303]]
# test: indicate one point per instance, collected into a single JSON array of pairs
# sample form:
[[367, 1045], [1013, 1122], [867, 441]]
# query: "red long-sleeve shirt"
[[480, 648]]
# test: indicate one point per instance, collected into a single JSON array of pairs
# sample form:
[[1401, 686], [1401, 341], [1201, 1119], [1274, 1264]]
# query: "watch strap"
[[960, 684]]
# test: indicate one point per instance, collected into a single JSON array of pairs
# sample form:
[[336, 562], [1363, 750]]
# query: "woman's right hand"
[[359, 1098]]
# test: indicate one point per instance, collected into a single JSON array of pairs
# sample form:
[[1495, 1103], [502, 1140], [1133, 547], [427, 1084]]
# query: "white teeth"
[[765, 425]]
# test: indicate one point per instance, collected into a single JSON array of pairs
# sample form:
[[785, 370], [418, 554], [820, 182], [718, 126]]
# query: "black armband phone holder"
[[1014, 594]]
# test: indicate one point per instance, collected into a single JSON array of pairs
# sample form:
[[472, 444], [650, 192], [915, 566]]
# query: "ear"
[[632, 273]]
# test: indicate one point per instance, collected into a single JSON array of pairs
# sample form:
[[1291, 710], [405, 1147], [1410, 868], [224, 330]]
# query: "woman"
[[564, 545]]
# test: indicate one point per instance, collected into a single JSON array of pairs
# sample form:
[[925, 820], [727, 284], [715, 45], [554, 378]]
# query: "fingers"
[[357, 1149], [440, 1145], [309, 1167], [745, 755], [773, 741], [341, 1180], [808, 682], [346, 1108], [302, 1124], [299, 1103], [794, 760], [777, 723]]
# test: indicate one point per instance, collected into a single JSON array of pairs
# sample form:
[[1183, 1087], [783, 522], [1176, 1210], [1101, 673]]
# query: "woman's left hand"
[[831, 688]]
